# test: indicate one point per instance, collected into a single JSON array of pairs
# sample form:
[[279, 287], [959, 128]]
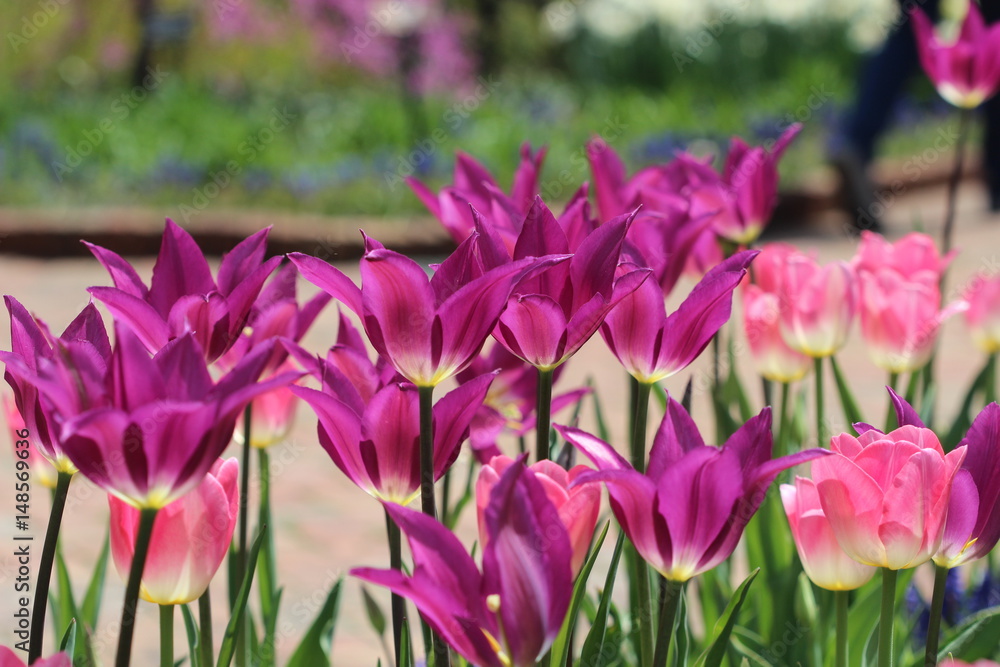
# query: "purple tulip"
[[973, 525], [508, 615], [427, 329], [146, 430], [183, 297], [551, 315], [686, 514], [85, 340], [652, 345]]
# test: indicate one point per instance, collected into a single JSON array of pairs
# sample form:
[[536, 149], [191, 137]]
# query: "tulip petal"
[[963, 506], [905, 414], [141, 317], [677, 435], [123, 275], [180, 270], [982, 460], [453, 416], [534, 328], [330, 280], [242, 261]]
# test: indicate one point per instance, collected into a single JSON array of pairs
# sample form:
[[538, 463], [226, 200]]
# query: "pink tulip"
[[824, 561], [578, 505], [818, 305], [190, 537], [772, 357], [914, 257], [983, 312], [886, 494], [272, 415], [900, 319], [966, 70], [9, 659]]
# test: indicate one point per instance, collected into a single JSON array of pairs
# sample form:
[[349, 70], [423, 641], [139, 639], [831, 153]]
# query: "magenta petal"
[[599, 452], [149, 325], [425, 195], [136, 378], [677, 435], [330, 280], [180, 365], [634, 329], [122, 273], [340, 429], [180, 269], [525, 562], [982, 460], [242, 260], [592, 268], [88, 327], [609, 178], [534, 328], [905, 414], [963, 506], [391, 423], [588, 318]]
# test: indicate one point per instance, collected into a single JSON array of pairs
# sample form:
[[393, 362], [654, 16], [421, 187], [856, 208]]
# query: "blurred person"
[[882, 81]]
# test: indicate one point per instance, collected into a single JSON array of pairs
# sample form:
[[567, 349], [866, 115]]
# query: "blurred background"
[[324, 106]]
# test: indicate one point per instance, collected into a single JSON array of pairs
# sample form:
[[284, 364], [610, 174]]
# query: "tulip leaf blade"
[[719, 640], [68, 643], [315, 646], [91, 607], [974, 638], [561, 646], [847, 401], [191, 632], [228, 648], [66, 613], [593, 645], [376, 617]]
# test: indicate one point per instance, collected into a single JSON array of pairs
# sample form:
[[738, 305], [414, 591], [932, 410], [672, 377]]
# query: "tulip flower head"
[[983, 313], [824, 562], [509, 613], [687, 513], [652, 345], [183, 296], [886, 495], [772, 357], [965, 71], [914, 257], [818, 305], [191, 536], [41, 469], [429, 330], [578, 506]]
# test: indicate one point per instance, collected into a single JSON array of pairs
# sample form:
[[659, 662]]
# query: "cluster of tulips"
[[197, 357]]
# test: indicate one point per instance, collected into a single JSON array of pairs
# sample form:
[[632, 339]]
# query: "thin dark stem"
[[45, 566], [427, 501], [445, 497], [890, 415], [934, 623], [205, 641], [166, 635], [885, 620], [147, 517], [398, 603], [820, 403], [671, 592], [768, 389], [841, 598], [964, 117], [639, 428], [543, 413]]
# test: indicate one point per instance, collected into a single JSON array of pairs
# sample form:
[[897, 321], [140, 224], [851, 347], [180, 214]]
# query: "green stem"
[[445, 497], [956, 176], [890, 414], [242, 645], [147, 517], [780, 448], [267, 566], [166, 635], [885, 620], [991, 379], [820, 406], [427, 501], [205, 641], [841, 599], [639, 425], [398, 603], [768, 388], [934, 624], [45, 566], [645, 620], [543, 414], [912, 386], [671, 592]]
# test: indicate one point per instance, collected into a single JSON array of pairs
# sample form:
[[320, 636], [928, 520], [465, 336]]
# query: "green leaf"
[[405, 649], [560, 647], [375, 616], [315, 647], [963, 420], [593, 646], [602, 427], [719, 639], [681, 646], [660, 394], [65, 605], [91, 608], [68, 643], [975, 638], [228, 648], [852, 413], [191, 630]]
